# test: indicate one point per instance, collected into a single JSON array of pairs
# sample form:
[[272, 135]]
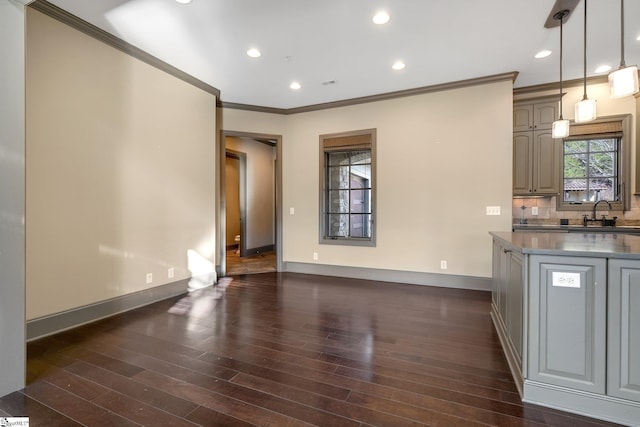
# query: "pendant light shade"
[[585, 109], [560, 128], [624, 80]]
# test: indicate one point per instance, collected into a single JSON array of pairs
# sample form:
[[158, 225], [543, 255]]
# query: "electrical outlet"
[[149, 278], [493, 210], [315, 256], [534, 210], [292, 211], [443, 265], [170, 272]]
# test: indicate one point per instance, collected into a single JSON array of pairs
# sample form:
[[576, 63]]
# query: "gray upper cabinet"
[[522, 159], [536, 163], [623, 376], [522, 118], [536, 155], [534, 116]]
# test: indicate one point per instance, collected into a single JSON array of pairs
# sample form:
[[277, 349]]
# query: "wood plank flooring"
[[283, 350], [261, 263]]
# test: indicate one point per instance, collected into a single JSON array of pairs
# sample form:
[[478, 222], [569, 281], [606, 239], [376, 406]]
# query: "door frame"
[[222, 198]]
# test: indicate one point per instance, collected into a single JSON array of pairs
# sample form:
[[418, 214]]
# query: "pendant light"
[[623, 81], [560, 128], [585, 109]]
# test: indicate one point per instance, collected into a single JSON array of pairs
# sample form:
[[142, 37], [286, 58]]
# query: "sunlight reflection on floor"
[[201, 301]]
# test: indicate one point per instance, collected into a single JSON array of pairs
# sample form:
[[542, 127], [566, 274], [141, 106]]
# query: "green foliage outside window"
[[591, 170]]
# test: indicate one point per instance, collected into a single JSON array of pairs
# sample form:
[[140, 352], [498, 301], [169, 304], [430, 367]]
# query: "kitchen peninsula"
[[566, 307]]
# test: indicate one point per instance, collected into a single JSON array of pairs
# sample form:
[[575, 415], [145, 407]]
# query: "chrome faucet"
[[595, 206], [604, 221]]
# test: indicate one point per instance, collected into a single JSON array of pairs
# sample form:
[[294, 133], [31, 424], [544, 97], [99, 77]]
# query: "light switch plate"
[[534, 210], [493, 210]]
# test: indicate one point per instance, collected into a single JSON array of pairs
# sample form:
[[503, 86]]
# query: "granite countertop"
[[601, 245], [578, 228]]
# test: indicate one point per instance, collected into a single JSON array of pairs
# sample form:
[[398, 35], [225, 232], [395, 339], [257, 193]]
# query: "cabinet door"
[[623, 375], [495, 278], [522, 117], [515, 284], [567, 322], [522, 154], [546, 163], [544, 115], [502, 284]]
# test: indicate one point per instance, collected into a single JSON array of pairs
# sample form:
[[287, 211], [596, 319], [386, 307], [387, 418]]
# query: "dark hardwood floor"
[[283, 350]]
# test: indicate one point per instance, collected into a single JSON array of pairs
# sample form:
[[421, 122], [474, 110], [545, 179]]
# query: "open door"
[[250, 203]]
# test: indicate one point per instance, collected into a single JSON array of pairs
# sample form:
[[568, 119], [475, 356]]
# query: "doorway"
[[250, 203]]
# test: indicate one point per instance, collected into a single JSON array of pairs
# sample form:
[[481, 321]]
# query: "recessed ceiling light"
[[295, 85], [254, 53], [542, 54], [381, 17], [184, 1], [398, 65], [603, 69]]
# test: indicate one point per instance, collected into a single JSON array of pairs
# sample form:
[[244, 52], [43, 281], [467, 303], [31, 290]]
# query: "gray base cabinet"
[[507, 300], [570, 324], [623, 376], [514, 305]]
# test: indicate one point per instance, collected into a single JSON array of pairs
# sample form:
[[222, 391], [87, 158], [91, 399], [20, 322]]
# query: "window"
[[347, 193], [595, 161]]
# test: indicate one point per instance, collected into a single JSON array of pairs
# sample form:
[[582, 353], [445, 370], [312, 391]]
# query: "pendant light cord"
[[585, 51], [560, 15], [622, 64]]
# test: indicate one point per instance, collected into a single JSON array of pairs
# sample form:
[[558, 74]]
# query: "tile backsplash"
[[547, 214]]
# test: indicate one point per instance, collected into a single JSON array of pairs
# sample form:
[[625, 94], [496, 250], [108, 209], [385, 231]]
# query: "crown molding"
[[257, 108], [73, 21], [380, 97], [555, 86]]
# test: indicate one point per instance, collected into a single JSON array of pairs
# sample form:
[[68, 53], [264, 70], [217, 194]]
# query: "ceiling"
[[317, 41]]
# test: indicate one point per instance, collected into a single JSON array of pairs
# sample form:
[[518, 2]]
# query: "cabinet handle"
[[506, 251]]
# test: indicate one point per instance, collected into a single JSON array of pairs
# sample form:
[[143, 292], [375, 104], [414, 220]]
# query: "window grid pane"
[[591, 170], [348, 194]]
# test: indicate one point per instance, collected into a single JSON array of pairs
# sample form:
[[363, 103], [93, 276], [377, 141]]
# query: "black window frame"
[[618, 127]]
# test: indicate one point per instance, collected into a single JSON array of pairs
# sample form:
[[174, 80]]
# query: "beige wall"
[[442, 158], [120, 171], [251, 121]]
